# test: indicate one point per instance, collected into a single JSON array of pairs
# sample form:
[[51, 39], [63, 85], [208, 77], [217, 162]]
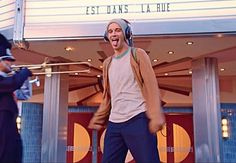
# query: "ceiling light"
[[171, 52], [166, 74], [89, 60], [222, 69], [155, 60], [76, 73], [189, 43], [101, 66], [69, 48], [219, 35], [190, 72], [98, 76]]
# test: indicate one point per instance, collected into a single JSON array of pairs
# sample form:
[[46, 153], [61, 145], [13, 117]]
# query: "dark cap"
[[5, 49]]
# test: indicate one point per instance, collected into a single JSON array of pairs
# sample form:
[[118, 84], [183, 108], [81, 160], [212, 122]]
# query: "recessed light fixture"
[[190, 72], [76, 73], [189, 43], [98, 76], [155, 60], [222, 69], [89, 60], [101, 66], [69, 48], [171, 52], [219, 35], [166, 74]]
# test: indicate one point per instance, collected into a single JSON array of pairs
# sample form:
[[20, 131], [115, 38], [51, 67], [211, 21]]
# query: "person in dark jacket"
[[10, 140]]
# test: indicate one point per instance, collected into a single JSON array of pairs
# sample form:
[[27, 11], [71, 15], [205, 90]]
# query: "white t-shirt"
[[126, 97]]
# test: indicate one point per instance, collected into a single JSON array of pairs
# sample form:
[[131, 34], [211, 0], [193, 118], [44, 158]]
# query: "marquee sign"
[[73, 11], [47, 19]]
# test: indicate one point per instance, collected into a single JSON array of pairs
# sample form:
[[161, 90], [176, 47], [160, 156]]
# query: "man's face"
[[116, 36], [5, 66]]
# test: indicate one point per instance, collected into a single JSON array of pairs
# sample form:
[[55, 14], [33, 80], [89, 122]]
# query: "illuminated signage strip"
[[7, 12], [46, 12]]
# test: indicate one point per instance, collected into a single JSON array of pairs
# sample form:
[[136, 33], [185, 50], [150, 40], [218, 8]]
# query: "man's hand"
[[93, 125], [156, 125]]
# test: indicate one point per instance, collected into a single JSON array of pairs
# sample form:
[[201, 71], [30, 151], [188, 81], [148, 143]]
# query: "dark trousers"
[[133, 135], [10, 141]]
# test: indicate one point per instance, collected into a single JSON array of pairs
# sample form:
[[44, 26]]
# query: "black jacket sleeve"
[[14, 82]]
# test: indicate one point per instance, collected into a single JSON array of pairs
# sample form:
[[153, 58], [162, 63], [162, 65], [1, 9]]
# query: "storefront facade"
[[26, 22]]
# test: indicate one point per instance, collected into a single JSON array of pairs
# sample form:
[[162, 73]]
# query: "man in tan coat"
[[131, 104]]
